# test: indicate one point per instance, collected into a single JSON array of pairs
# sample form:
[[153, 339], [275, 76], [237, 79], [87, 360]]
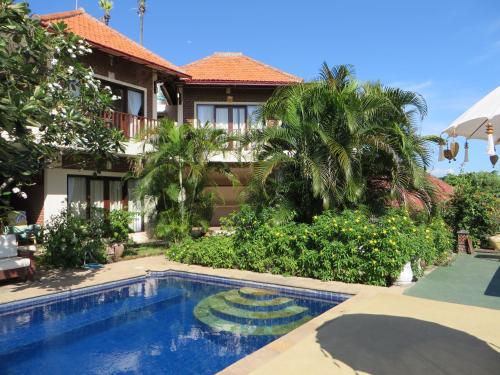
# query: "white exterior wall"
[[55, 182]]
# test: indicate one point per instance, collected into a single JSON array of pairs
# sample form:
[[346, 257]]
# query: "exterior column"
[[154, 109], [180, 108]]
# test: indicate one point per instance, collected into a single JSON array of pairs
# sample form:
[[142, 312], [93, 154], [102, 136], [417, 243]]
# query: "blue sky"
[[449, 51]]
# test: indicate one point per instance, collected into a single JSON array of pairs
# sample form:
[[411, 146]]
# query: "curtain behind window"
[[135, 206], [205, 113], [115, 195], [97, 193], [77, 196], [134, 106], [222, 118]]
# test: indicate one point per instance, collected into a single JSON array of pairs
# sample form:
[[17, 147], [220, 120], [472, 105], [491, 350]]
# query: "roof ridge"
[[242, 55], [271, 67], [62, 15], [81, 11], [199, 60]]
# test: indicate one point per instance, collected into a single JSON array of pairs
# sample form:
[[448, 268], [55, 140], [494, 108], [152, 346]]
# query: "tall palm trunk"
[[141, 10], [106, 6]]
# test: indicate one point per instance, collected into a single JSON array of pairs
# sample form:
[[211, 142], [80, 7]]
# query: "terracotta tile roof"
[[443, 192], [109, 40], [236, 68]]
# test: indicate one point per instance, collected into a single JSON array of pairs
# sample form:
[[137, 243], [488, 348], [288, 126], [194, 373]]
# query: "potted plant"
[[117, 233]]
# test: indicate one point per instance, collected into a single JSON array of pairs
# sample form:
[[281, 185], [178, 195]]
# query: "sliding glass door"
[[108, 193]]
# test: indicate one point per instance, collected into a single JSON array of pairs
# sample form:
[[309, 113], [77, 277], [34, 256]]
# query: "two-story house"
[[134, 74], [223, 89], [226, 89]]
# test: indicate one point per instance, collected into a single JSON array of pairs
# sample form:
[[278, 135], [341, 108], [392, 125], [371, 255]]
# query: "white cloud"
[[412, 86], [189, 41]]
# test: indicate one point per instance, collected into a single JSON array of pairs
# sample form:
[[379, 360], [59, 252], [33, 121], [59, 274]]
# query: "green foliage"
[[39, 109], [117, 225], [340, 143], [351, 246], [174, 169], [475, 205], [214, 251], [70, 240], [170, 227]]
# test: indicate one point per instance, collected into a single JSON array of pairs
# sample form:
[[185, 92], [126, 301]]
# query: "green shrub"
[[170, 227], [71, 240], [213, 251], [117, 228], [350, 246], [475, 205]]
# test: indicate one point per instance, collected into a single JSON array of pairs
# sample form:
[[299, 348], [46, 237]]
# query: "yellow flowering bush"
[[351, 246]]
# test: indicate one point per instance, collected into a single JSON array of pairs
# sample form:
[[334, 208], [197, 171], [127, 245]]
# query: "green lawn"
[[146, 250], [469, 280]]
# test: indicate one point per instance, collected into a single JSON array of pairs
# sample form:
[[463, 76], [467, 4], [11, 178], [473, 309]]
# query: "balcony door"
[[129, 106]]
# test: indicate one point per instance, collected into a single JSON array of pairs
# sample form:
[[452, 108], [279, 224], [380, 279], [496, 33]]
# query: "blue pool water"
[[144, 326]]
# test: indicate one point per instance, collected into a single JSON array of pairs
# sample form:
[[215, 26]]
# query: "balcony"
[[129, 124]]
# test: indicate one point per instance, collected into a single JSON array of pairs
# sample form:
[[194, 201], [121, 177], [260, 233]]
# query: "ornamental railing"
[[129, 124]]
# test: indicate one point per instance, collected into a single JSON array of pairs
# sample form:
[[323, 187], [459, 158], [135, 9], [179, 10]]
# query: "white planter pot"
[[406, 275]]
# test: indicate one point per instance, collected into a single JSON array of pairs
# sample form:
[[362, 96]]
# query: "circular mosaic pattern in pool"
[[251, 311]]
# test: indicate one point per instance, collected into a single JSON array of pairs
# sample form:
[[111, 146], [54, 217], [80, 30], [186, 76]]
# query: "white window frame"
[[227, 104]]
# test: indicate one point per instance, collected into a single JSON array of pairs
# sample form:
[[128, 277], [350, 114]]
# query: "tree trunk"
[[141, 28]]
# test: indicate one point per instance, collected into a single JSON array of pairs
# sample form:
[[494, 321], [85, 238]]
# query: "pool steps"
[[251, 311]]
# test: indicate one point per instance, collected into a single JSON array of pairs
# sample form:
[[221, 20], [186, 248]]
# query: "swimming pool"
[[166, 323]]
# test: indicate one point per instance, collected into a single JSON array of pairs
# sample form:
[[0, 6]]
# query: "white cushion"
[[13, 263], [8, 246]]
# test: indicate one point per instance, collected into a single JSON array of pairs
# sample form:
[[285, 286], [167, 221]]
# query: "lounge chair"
[[14, 261]]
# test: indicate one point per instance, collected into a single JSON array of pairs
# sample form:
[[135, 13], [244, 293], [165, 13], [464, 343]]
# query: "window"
[[237, 118], [131, 100], [109, 193], [205, 114]]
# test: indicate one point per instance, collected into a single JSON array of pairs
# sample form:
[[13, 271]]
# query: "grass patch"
[[144, 250]]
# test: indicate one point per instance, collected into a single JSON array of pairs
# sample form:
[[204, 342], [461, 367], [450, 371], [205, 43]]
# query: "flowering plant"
[[50, 102]]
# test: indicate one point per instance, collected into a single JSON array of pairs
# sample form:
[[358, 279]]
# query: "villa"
[[349, 257], [224, 89]]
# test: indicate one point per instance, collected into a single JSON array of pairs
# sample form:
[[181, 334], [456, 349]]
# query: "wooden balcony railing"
[[129, 124]]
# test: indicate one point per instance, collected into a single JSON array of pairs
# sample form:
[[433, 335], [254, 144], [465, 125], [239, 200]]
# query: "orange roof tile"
[[111, 41], [234, 67]]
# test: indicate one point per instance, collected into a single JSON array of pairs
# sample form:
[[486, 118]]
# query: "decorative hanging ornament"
[[491, 142], [454, 147], [451, 151], [466, 155], [447, 153], [493, 159], [441, 150]]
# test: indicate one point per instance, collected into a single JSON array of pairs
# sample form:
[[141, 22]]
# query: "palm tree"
[[175, 168], [106, 6], [340, 143], [141, 10]]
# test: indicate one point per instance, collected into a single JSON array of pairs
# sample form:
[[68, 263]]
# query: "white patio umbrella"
[[481, 121]]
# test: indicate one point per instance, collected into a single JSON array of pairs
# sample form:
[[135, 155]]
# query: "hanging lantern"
[[466, 155], [454, 147], [447, 153], [491, 142], [494, 158], [441, 150]]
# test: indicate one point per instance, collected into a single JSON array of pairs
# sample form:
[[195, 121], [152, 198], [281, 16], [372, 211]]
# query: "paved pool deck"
[[377, 331], [469, 280]]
